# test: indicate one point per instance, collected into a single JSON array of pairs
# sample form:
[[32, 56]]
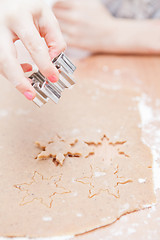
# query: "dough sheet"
[[73, 167]]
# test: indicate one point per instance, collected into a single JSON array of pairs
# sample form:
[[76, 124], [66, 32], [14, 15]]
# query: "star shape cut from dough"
[[60, 148], [41, 189]]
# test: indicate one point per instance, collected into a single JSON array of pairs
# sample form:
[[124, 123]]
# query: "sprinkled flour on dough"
[[151, 134]]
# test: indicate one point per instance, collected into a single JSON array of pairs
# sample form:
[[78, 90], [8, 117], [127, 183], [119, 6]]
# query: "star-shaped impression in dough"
[[104, 177], [41, 189], [60, 148]]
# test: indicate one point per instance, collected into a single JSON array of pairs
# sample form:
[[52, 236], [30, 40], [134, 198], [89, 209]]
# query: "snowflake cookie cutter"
[[46, 90]]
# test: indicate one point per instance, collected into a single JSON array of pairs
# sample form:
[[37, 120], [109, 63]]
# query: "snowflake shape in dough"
[[60, 148], [41, 189], [97, 182], [104, 173], [108, 151]]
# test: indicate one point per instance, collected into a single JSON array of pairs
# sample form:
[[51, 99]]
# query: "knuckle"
[[30, 42], [46, 69], [34, 47]]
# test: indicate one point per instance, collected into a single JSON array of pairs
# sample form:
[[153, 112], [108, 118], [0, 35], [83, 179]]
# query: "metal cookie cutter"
[[46, 90]]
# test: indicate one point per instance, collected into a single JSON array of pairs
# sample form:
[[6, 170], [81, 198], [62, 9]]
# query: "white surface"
[[151, 133]]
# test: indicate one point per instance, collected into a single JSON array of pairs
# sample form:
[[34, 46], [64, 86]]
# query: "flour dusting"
[[150, 132]]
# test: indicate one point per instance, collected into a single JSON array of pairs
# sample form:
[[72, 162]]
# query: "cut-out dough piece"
[[59, 148]]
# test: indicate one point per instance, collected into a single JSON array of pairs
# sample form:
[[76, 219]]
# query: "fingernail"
[[28, 95], [53, 78], [29, 68]]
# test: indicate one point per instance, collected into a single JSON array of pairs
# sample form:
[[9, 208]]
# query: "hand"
[[85, 23], [28, 20]]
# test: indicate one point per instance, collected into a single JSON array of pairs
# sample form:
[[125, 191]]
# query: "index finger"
[[11, 68], [50, 30]]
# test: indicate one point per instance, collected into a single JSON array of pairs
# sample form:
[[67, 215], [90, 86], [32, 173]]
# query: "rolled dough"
[[85, 172]]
